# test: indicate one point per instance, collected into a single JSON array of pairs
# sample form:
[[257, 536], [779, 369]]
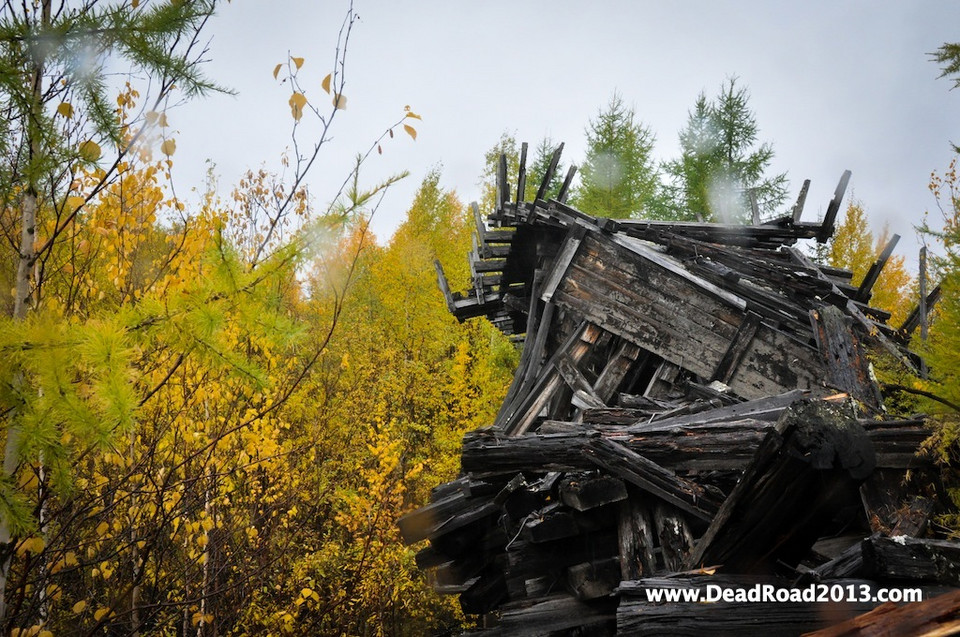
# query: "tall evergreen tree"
[[721, 166], [619, 177]]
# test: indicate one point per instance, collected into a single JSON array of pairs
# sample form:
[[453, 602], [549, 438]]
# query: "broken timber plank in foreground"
[[808, 467], [937, 616]]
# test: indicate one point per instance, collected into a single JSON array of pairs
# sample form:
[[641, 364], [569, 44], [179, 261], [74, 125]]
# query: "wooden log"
[[552, 522], [652, 478], [905, 558], [585, 491], [635, 537], [676, 540], [559, 615], [933, 617], [710, 446], [806, 469]]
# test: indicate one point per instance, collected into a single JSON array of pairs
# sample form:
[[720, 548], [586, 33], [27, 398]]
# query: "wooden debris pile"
[[693, 406]]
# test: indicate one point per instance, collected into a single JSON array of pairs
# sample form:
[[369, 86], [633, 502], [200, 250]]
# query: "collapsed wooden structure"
[[693, 405]]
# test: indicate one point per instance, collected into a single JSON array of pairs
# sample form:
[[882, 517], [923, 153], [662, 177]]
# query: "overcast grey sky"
[[834, 84]]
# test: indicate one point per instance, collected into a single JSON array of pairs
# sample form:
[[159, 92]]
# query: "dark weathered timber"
[[768, 408], [503, 188], [905, 558], [559, 615], [652, 478], [738, 348], [830, 218], [722, 445], [522, 174], [848, 368], [615, 371], [797, 211], [597, 578], [484, 595], [549, 382], [870, 279], [916, 315], [635, 538], [802, 474], [552, 522], [424, 522], [935, 616], [585, 491], [565, 187], [676, 540], [550, 172]]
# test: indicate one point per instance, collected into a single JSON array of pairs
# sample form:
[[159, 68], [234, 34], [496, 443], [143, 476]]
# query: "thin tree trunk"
[[22, 291]]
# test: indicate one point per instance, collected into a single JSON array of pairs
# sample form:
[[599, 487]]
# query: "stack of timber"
[[693, 405]]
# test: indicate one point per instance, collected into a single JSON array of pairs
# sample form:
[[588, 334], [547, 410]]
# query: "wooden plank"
[[444, 286], [594, 579], [548, 175], [830, 218], [848, 368], [797, 210], [549, 382], [738, 348], [866, 286], [558, 269], [615, 371], [503, 188], [915, 318], [565, 187], [585, 491], [661, 260], [936, 617], [652, 478], [522, 175]]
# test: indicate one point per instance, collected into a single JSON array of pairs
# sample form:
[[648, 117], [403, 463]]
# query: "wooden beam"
[[848, 368], [548, 175], [652, 478], [738, 348], [797, 211], [565, 188], [870, 279], [522, 175], [830, 218]]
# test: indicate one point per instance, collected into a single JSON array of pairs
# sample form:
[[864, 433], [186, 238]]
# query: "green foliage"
[[721, 165], [619, 177]]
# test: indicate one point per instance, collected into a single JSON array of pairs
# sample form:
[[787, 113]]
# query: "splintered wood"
[[694, 405]]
